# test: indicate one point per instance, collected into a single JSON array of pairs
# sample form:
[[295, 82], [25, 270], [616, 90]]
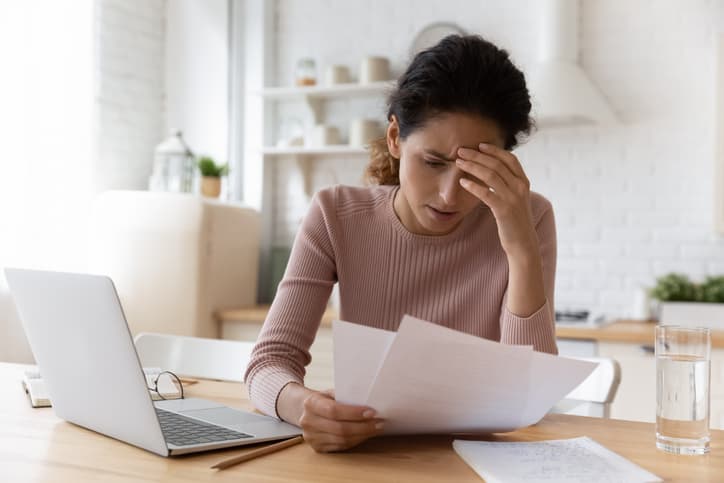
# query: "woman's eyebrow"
[[435, 154]]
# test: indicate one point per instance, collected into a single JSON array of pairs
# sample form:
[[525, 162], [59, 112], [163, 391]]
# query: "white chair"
[[593, 397], [224, 360]]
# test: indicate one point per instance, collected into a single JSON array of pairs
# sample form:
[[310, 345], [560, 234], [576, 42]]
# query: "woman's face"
[[430, 200]]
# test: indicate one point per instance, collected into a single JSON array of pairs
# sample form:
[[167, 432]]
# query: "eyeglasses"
[[168, 386]]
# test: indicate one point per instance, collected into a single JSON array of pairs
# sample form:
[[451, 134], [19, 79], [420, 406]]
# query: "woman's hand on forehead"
[[496, 177]]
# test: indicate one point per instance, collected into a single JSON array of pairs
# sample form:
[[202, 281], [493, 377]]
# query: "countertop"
[[622, 330]]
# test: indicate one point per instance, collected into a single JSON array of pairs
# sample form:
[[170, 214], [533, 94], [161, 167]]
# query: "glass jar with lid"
[[306, 72]]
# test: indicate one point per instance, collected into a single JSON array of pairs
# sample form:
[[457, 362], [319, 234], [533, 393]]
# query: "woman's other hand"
[[328, 425], [332, 426]]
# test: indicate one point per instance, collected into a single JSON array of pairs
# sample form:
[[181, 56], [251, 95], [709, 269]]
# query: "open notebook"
[[560, 461]]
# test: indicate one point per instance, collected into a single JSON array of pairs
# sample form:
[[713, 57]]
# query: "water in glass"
[[682, 413]]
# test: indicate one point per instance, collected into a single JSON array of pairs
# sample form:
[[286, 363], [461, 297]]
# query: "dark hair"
[[465, 74]]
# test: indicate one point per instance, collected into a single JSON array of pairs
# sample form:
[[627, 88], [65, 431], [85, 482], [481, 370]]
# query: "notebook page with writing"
[[561, 461]]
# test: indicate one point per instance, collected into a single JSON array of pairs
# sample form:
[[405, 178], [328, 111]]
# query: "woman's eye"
[[434, 164]]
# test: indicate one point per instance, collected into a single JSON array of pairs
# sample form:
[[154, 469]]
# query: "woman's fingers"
[[332, 426], [510, 159], [342, 428], [482, 193], [480, 159], [503, 162], [488, 176], [327, 407], [493, 171]]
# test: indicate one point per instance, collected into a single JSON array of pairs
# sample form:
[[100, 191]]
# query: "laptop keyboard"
[[183, 431]]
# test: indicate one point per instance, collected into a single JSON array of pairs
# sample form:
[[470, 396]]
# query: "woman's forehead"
[[444, 134]]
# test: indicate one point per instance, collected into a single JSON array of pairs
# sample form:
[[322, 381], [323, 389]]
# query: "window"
[[46, 94]]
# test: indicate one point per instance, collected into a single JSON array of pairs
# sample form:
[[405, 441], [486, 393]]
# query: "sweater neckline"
[[463, 228]]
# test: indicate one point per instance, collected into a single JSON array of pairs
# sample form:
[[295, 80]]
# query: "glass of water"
[[683, 364]]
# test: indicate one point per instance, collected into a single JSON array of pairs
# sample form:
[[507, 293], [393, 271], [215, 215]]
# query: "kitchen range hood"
[[562, 93]]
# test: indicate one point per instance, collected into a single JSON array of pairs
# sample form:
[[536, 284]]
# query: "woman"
[[450, 233]]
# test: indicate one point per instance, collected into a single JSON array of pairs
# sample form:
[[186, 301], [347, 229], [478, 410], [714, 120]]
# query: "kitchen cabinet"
[[636, 396], [631, 344]]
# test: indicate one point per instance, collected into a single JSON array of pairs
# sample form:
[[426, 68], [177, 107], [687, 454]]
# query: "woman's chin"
[[435, 227]]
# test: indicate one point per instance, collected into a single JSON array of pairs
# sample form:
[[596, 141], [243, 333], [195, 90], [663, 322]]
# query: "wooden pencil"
[[221, 465]]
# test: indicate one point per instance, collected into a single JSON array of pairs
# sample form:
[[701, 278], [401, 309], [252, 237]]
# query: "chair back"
[[593, 397], [224, 360]]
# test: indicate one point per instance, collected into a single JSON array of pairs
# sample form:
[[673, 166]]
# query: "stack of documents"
[[426, 378]]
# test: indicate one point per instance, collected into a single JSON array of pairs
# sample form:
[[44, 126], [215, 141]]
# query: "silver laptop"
[[83, 347]]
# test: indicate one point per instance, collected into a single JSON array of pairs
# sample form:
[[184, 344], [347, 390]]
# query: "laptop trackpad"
[[223, 416]]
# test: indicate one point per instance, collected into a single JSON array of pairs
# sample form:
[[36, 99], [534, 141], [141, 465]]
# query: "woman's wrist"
[[524, 252], [290, 402], [525, 261], [526, 293]]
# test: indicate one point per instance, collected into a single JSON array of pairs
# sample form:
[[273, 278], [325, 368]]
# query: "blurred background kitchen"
[[107, 107]]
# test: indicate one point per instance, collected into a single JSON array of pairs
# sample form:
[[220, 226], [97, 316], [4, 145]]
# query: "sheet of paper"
[[551, 378], [561, 461], [358, 353], [426, 378], [437, 380]]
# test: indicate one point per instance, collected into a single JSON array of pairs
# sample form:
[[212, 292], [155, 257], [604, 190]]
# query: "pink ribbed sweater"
[[352, 236]]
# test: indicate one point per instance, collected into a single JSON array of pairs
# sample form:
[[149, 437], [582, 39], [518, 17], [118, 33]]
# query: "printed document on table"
[[426, 378], [560, 461]]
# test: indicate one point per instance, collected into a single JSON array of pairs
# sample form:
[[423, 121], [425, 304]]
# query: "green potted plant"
[[683, 302], [211, 174]]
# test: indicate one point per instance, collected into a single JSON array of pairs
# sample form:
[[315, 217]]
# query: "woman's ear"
[[393, 137]]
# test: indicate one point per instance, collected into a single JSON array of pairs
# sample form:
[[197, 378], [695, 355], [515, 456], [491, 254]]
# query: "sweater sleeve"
[[282, 350], [537, 329]]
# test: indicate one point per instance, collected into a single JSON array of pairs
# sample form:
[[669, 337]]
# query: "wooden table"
[[36, 446]]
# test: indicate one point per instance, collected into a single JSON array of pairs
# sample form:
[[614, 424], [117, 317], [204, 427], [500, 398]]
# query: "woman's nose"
[[450, 186]]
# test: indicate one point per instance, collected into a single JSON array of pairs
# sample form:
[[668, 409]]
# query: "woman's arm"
[[275, 373], [500, 182], [282, 348]]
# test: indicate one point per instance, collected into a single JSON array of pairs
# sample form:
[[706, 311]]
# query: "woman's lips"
[[441, 215]]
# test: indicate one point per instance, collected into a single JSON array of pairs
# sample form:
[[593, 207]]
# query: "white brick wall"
[[130, 103], [632, 201], [58, 89]]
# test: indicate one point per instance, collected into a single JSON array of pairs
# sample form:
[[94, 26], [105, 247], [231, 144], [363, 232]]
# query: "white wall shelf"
[[326, 92], [305, 155]]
